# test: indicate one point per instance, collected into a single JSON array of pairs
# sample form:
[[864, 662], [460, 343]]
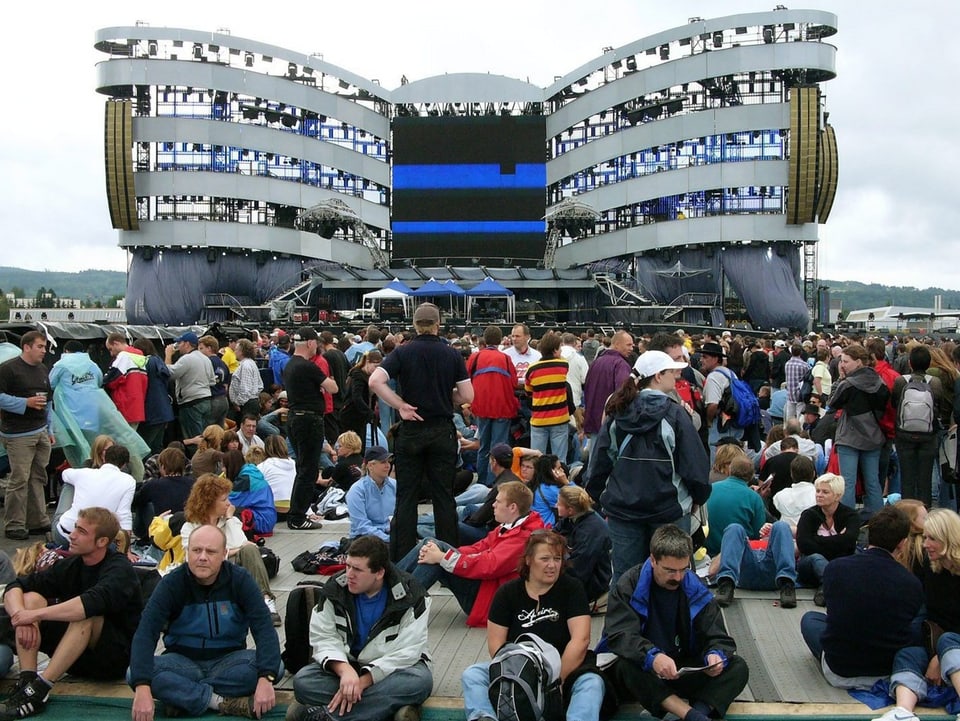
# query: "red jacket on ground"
[[493, 560]]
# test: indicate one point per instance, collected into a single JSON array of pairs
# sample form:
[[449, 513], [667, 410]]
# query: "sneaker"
[[238, 706], [296, 711], [17, 534], [788, 594], [407, 713], [27, 700], [724, 593], [305, 525], [271, 604], [818, 598], [898, 713]]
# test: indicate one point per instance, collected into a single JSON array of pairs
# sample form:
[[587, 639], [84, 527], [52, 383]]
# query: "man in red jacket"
[[126, 380], [495, 402], [474, 573]]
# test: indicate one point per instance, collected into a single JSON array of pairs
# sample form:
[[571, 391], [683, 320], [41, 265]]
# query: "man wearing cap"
[[433, 376], [193, 375], [778, 373], [718, 380], [305, 384], [372, 500]]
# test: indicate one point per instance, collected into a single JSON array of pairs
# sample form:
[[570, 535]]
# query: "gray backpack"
[[524, 681], [917, 412]]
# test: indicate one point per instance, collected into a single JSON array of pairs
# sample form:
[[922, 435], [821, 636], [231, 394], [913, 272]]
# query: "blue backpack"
[[739, 401]]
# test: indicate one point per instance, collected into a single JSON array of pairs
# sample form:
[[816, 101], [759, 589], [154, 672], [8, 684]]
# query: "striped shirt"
[[546, 382]]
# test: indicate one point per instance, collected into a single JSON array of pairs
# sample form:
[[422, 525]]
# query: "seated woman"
[[721, 462], [825, 531], [552, 605], [208, 457], [229, 442], [209, 503], [916, 668], [588, 542], [251, 492], [279, 470], [548, 479], [910, 554], [349, 463]]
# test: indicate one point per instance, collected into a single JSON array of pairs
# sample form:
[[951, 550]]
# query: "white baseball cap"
[[653, 362]]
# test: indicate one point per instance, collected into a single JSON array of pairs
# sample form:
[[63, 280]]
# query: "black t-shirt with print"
[[546, 617]]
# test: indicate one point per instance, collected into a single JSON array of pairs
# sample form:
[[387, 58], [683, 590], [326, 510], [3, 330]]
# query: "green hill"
[[873, 295], [87, 285]]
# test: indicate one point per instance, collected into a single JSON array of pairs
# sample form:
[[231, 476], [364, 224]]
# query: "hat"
[[726, 334], [377, 453], [282, 396], [653, 362], [426, 313], [780, 344], [188, 337], [277, 333], [502, 453], [712, 349], [305, 334], [810, 408]]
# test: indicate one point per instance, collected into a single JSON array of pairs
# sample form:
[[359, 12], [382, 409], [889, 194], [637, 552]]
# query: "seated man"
[[733, 502], [82, 612], [248, 434], [646, 609], [758, 569], [372, 500], [475, 572], [370, 675], [812, 450], [205, 666], [856, 641], [778, 468], [106, 486]]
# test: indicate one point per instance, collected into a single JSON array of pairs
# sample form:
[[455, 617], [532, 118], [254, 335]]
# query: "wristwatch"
[[271, 677]]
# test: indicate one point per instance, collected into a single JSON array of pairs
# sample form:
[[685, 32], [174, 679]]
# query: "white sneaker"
[[898, 713], [271, 605]]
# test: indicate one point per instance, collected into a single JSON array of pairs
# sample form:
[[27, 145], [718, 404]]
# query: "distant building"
[[699, 158]]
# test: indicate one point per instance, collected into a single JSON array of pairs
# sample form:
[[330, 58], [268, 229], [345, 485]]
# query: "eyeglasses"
[[674, 571]]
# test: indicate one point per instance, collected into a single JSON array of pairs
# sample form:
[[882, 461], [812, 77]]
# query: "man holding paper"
[[673, 651]]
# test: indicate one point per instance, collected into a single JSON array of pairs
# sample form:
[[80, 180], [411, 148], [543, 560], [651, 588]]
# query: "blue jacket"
[[204, 622], [626, 622], [251, 491], [649, 465], [588, 548]]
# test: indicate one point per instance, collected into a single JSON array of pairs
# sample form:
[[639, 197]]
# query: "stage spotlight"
[[248, 59], [211, 256], [664, 52]]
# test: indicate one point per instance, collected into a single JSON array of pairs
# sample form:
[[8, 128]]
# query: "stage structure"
[[244, 178]]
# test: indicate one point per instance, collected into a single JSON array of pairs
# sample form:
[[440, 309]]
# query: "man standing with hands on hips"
[[24, 391], [432, 377]]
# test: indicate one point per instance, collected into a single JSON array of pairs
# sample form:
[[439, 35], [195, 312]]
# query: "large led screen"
[[469, 189]]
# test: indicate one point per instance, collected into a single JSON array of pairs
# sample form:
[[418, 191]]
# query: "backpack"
[[525, 681], [739, 402], [296, 625], [917, 411], [806, 386]]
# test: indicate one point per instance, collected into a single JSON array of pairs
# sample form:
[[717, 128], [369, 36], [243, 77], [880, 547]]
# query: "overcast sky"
[[895, 219]]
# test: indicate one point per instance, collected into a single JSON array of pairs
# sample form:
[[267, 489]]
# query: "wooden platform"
[[785, 681]]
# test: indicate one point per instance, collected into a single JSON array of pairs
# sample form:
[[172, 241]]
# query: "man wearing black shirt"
[[24, 391], [433, 376], [82, 612], [305, 384]]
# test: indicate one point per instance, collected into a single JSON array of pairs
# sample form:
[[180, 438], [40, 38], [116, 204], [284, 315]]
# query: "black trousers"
[[425, 453], [632, 682], [306, 437]]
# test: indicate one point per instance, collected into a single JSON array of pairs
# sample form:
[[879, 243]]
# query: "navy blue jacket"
[[588, 543], [204, 622]]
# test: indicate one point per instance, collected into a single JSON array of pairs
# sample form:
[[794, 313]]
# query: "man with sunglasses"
[[661, 622]]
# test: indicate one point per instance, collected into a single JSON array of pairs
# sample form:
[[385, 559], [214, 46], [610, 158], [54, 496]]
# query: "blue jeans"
[[810, 569], [910, 664], [812, 626], [187, 684], [463, 589], [868, 462], [630, 541], [490, 432], [306, 438], [757, 570], [312, 686], [6, 659], [586, 695], [558, 435]]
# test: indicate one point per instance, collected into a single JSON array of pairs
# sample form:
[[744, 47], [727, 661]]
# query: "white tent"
[[389, 293]]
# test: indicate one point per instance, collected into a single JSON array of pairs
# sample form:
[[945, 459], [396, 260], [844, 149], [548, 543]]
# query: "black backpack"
[[522, 687], [301, 603], [806, 387]]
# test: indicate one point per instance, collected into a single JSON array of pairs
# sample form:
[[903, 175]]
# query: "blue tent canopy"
[[399, 285], [489, 288], [433, 289]]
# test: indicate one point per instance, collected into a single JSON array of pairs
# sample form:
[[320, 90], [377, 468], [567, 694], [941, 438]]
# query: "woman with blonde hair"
[[588, 541], [910, 554], [209, 504], [726, 453], [99, 446], [208, 457], [349, 465], [915, 668]]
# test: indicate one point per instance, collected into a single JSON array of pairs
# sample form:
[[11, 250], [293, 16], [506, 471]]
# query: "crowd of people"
[[568, 476]]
